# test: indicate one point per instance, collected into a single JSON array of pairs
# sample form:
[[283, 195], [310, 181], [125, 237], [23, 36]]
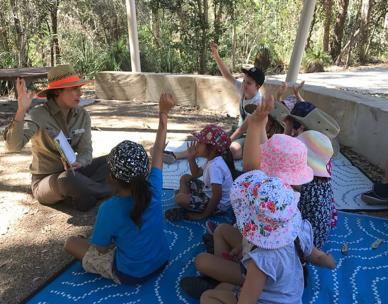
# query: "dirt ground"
[[32, 235]]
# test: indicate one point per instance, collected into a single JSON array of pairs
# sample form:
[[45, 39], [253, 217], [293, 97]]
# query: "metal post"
[[300, 41], [132, 35]]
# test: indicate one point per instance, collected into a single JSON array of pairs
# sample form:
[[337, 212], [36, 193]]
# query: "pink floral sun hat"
[[285, 157], [266, 210]]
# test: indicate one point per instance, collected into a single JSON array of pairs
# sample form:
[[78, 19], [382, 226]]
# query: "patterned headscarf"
[[128, 160]]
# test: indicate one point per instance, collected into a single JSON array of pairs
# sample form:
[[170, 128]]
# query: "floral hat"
[[285, 157], [266, 210], [215, 136], [320, 151]]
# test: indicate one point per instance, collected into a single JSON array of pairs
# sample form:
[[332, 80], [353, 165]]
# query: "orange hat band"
[[57, 83]]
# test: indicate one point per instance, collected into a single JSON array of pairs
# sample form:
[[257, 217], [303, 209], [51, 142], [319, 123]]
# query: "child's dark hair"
[[274, 127], [302, 259], [141, 195], [228, 158]]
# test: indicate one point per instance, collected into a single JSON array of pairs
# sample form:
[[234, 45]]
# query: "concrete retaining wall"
[[207, 92], [363, 120]]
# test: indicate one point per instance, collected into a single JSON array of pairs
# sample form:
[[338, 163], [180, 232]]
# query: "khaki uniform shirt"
[[46, 122]]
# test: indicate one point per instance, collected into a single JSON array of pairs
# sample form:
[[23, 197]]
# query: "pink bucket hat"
[[319, 151], [266, 210], [215, 136], [285, 157]]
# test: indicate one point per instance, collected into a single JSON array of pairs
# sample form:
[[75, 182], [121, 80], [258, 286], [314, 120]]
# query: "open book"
[[65, 149]]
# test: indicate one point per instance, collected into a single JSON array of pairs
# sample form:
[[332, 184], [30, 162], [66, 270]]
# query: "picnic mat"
[[347, 180], [360, 277]]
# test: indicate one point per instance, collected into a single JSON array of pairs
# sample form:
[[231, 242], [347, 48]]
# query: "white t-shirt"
[[216, 171], [243, 102]]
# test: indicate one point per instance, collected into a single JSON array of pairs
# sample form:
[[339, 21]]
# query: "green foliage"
[[7, 60], [174, 36], [316, 61]]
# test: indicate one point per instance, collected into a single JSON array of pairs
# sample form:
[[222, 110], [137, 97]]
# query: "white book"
[[65, 149]]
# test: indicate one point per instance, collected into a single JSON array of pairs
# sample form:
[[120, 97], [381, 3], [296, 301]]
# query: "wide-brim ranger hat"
[[266, 210], [319, 151], [285, 157], [61, 77], [315, 119], [255, 73], [215, 136]]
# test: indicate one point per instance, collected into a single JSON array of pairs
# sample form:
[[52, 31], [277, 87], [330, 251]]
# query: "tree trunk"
[[366, 6], [234, 39], [203, 14], [347, 44], [156, 25], [21, 37], [55, 50], [4, 40], [217, 23], [336, 43], [308, 43], [328, 9]]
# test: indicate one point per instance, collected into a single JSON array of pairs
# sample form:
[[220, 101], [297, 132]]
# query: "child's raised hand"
[[191, 151], [166, 103], [24, 97], [297, 88], [263, 109], [281, 90], [214, 49]]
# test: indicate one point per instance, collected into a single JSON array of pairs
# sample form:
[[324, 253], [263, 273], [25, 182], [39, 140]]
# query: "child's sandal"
[[169, 157], [175, 214]]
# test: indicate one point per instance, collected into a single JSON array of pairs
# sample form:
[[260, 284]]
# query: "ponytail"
[[228, 158], [141, 194], [302, 259]]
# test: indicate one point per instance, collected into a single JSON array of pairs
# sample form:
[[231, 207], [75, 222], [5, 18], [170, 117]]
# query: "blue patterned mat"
[[361, 276]]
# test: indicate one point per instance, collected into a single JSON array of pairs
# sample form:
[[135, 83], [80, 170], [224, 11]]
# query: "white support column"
[[132, 35], [301, 39]]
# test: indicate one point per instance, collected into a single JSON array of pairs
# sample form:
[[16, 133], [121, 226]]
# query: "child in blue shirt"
[[128, 244]]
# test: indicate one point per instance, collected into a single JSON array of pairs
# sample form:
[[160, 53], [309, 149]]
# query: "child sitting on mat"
[[316, 197], [281, 156], [274, 270], [128, 244], [199, 199]]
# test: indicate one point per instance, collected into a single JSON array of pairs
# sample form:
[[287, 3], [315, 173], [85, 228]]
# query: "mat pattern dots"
[[360, 277]]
